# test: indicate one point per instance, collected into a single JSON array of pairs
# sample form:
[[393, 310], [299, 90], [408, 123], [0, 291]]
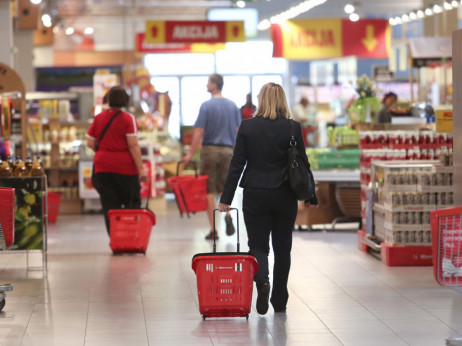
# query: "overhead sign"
[[194, 31], [143, 47], [331, 38]]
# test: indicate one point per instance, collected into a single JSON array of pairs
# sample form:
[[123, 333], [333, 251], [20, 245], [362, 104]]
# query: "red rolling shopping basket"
[[54, 200], [190, 191], [225, 281], [7, 202], [130, 229], [446, 225]]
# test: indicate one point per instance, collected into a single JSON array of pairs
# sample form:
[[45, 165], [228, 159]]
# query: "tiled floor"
[[338, 295]]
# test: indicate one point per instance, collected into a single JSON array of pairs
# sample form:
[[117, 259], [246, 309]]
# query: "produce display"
[[342, 136]]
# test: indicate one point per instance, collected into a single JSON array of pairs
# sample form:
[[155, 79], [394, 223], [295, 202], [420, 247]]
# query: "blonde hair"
[[272, 102]]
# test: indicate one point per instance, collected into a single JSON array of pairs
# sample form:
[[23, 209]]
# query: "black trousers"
[[271, 211], [117, 191]]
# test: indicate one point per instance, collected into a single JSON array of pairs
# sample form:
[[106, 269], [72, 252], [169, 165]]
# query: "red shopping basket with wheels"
[[7, 202], [190, 191], [446, 225], [224, 281], [54, 200]]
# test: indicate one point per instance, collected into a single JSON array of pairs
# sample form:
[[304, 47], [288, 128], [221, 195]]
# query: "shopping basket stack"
[[446, 225], [224, 281], [190, 191], [7, 203], [54, 200]]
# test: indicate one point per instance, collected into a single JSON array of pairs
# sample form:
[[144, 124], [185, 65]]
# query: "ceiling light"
[[290, 13], [392, 21], [405, 18], [455, 3], [264, 25], [437, 9], [46, 18], [89, 31], [398, 20], [354, 17], [428, 12], [69, 31], [412, 16], [35, 2], [447, 6], [420, 14], [240, 4], [349, 8]]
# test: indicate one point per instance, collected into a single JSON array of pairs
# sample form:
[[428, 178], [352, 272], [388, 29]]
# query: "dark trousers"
[[271, 211], [117, 191]]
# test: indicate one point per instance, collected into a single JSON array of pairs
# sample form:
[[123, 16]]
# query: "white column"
[[6, 37], [457, 125]]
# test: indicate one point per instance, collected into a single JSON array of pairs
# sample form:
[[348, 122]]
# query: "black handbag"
[[300, 176]]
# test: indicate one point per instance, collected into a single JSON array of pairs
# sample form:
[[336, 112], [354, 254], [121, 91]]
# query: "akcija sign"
[[194, 31]]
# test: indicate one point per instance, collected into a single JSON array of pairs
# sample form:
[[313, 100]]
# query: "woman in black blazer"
[[269, 204]]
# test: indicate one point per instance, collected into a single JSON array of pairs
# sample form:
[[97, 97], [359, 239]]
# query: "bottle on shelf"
[[37, 169], [5, 170], [29, 163], [11, 163], [20, 169]]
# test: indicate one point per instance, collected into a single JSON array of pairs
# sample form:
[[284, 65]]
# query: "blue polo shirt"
[[220, 118]]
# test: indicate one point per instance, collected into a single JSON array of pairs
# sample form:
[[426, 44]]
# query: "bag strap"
[[292, 142], [105, 129]]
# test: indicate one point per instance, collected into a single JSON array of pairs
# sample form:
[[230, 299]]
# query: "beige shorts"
[[215, 162]]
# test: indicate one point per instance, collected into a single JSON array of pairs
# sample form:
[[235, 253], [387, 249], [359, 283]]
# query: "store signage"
[[143, 47], [444, 121], [194, 31], [331, 38]]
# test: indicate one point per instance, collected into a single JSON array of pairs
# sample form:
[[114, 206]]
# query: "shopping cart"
[[6, 231], [224, 280], [190, 191], [446, 225]]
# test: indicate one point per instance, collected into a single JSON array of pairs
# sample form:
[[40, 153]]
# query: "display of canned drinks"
[[417, 237]]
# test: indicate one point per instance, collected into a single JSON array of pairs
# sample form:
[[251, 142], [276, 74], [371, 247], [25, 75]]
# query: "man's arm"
[[198, 133]]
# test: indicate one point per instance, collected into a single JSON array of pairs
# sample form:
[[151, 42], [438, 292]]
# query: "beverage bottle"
[[28, 163], [37, 169], [11, 163], [5, 170], [20, 169]]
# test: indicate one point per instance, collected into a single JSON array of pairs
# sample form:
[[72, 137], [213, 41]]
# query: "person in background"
[[118, 168], [248, 109], [388, 101], [305, 113], [269, 204], [216, 127]]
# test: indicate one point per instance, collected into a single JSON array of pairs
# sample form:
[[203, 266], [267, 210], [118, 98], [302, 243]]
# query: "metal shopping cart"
[[6, 231], [446, 225]]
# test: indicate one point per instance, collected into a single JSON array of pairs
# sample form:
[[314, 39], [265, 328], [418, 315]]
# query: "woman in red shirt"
[[118, 167]]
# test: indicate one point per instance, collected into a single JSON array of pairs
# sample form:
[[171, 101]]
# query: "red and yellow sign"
[[331, 38], [143, 47], [444, 119], [194, 31]]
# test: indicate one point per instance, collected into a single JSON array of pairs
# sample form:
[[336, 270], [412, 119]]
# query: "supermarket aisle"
[[338, 295]]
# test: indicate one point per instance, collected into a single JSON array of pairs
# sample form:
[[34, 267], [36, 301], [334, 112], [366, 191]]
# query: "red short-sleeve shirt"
[[113, 155]]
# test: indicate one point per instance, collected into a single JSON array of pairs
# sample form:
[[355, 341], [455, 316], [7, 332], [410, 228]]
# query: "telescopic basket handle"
[[194, 163], [215, 230]]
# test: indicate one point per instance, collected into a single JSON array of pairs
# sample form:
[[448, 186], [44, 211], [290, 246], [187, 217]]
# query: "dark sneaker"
[[210, 235], [263, 297], [280, 309], [229, 225]]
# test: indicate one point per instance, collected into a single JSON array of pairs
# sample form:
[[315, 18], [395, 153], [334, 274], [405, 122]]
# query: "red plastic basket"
[[224, 283], [7, 202], [190, 192], [446, 227], [130, 229], [54, 199]]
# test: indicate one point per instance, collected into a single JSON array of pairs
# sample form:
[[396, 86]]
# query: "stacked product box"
[[406, 193]]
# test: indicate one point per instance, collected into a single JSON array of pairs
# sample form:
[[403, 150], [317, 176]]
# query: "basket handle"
[[194, 163], [215, 230]]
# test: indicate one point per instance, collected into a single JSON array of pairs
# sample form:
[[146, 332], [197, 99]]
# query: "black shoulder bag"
[[300, 177], [102, 135]]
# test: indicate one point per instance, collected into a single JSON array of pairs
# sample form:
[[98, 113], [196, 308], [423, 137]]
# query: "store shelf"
[[51, 96], [400, 208], [337, 175]]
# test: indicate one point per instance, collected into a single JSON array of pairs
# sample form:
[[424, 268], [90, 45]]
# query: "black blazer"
[[262, 148]]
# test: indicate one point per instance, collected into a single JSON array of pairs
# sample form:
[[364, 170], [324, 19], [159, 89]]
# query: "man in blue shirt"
[[216, 128]]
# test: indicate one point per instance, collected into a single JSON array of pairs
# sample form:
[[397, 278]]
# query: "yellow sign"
[[444, 121], [313, 39]]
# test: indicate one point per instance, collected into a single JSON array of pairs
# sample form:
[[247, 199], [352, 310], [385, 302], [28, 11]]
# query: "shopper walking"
[[248, 109], [118, 168], [216, 128], [388, 101], [269, 204]]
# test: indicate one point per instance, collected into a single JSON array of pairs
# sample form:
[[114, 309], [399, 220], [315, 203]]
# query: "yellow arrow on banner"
[[370, 42]]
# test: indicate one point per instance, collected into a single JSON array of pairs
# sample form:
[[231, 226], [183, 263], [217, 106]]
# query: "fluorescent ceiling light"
[[240, 4], [69, 31], [292, 12], [354, 17], [89, 31], [35, 2], [420, 14], [349, 8]]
